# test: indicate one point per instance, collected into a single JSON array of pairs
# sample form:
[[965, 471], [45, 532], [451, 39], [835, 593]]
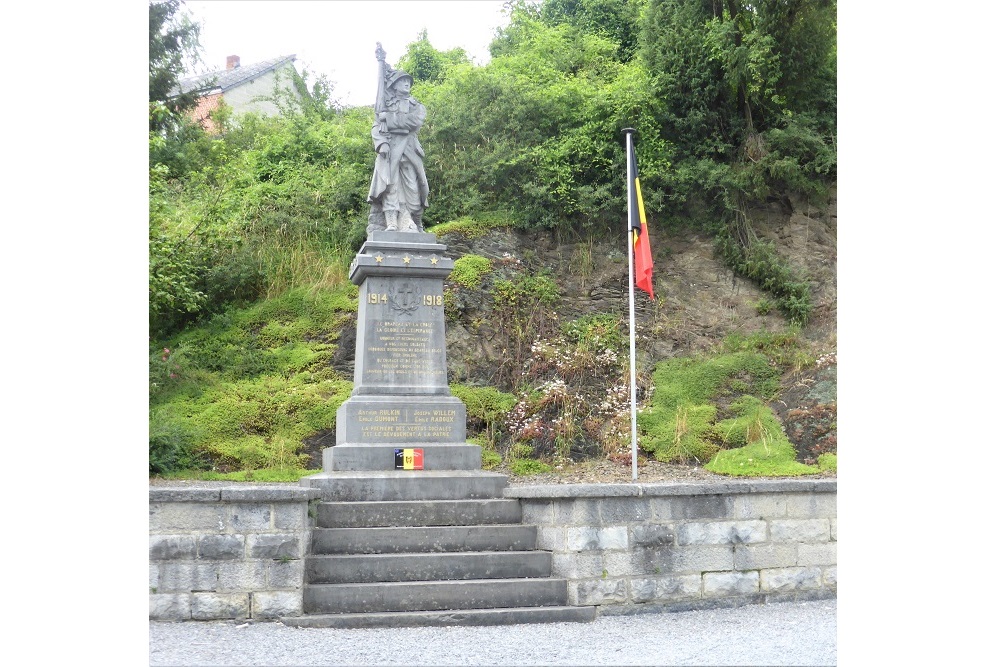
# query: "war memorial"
[[403, 527]]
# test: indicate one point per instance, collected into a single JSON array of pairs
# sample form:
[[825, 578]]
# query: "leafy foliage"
[[173, 41], [251, 230], [761, 263], [426, 64]]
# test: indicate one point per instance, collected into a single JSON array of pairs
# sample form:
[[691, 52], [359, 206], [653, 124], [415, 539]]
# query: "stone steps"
[[426, 549], [400, 539], [432, 595], [418, 513], [369, 568], [493, 616], [406, 485]]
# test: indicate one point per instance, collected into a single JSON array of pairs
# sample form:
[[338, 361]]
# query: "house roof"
[[226, 79]]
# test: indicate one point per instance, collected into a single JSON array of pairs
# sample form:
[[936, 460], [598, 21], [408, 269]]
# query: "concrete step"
[[417, 513], [370, 568], [432, 595], [499, 616], [379, 485], [423, 539]]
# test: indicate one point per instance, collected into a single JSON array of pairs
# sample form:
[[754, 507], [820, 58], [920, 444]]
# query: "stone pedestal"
[[401, 398]]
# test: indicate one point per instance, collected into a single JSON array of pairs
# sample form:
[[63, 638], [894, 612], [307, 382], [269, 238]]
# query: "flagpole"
[[631, 293]]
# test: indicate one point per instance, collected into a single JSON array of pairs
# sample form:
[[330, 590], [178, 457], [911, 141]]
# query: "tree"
[[173, 42], [617, 20], [425, 63]]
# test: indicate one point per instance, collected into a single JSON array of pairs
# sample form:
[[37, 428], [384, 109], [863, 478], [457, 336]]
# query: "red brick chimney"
[[232, 62]]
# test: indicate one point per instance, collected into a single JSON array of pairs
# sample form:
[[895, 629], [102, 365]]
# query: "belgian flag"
[[640, 234]]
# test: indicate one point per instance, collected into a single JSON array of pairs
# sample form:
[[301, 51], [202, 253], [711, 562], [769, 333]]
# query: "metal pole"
[[631, 295]]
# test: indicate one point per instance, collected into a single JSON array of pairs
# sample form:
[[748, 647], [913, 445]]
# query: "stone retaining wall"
[[238, 552], [688, 546], [234, 552]]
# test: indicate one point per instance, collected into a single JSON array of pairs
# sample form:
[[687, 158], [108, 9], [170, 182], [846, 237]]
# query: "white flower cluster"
[[827, 359]]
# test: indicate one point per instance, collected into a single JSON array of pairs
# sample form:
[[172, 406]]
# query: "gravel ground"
[[800, 633]]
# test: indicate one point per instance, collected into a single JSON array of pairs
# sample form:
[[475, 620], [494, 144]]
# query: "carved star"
[[406, 260], [434, 260], [379, 258]]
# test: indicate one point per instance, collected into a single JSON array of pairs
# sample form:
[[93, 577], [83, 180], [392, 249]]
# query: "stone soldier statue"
[[398, 193]]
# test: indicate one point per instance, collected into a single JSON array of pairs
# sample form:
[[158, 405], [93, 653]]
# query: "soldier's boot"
[[391, 221], [406, 223], [418, 221]]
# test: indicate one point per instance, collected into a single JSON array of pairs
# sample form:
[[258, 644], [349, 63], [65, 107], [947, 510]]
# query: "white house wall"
[[247, 96]]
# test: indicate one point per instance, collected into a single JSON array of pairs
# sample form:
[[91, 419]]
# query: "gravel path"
[[802, 633]]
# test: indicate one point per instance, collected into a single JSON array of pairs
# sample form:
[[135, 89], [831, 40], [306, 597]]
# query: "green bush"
[[762, 264], [678, 423], [469, 270]]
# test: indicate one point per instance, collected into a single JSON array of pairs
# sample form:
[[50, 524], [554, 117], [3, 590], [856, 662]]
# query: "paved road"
[[800, 633]]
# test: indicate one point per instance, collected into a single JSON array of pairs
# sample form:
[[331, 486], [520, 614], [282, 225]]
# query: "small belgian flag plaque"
[[409, 459]]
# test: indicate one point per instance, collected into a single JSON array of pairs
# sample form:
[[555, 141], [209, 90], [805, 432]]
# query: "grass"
[[471, 228], [263, 475], [681, 423], [246, 389], [762, 449]]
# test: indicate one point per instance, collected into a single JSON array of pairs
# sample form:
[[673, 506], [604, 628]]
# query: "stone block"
[[214, 606], [291, 516], [642, 590], [678, 587], [186, 517], [275, 545], [154, 577], [171, 547], [800, 530], [584, 538], [817, 554], [723, 584], [811, 505], [205, 576], [722, 532], [598, 591], [624, 510], [760, 506], [221, 547], [659, 508], [619, 564], [577, 565], [287, 574], [833, 528], [536, 512], [261, 495], [161, 494], [274, 604], [551, 538], [246, 517], [758, 556], [577, 512], [176, 577], [790, 579], [242, 576], [682, 560], [402, 421], [702, 507], [652, 535], [830, 576], [170, 607]]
